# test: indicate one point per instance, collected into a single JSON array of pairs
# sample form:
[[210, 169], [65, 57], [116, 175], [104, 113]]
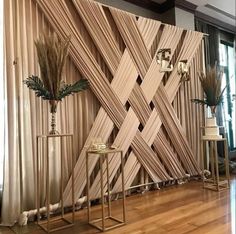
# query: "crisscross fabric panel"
[[137, 100]]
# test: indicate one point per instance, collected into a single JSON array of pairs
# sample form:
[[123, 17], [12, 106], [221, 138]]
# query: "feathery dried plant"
[[52, 53], [211, 84]]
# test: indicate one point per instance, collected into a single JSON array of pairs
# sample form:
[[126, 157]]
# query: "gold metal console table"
[[216, 183], [103, 154], [58, 222]]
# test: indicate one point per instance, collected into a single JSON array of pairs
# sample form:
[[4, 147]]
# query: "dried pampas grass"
[[52, 53]]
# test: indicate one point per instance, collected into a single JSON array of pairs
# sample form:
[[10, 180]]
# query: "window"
[[227, 64]]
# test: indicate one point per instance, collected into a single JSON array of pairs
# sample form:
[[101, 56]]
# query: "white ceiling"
[[227, 6], [223, 10]]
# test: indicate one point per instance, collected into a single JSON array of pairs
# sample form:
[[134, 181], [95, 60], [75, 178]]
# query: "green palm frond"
[[199, 101], [220, 98], [35, 83], [68, 89]]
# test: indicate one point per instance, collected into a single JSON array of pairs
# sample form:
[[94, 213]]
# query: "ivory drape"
[[147, 113], [27, 116]]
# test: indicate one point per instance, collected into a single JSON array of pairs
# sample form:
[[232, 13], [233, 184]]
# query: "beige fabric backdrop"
[[27, 116], [116, 53]]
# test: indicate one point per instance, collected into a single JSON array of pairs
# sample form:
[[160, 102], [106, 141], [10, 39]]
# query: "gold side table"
[[103, 155], [215, 182], [53, 223]]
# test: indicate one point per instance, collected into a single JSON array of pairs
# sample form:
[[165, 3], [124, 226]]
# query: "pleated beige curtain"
[[28, 116]]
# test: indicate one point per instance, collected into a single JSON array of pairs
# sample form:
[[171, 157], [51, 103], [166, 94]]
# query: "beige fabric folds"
[[27, 116], [148, 114]]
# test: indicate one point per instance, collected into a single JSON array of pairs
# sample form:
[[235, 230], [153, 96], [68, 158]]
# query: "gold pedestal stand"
[[216, 182], [53, 223], [103, 154]]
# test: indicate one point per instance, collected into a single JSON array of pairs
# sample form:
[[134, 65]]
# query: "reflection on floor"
[[174, 210]]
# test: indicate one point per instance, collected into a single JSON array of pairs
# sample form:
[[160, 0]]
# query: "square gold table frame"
[[215, 183], [103, 154], [52, 223]]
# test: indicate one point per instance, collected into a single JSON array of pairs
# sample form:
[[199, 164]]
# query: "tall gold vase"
[[213, 110], [53, 111]]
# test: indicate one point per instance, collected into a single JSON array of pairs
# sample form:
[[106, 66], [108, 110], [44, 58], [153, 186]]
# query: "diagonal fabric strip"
[[191, 169], [151, 130], [113, 97], [139, 136]]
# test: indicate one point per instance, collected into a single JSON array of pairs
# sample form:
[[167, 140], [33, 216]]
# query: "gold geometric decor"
[[157, 124]]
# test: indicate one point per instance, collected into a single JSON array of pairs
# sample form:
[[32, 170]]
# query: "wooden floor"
[[174, 210]]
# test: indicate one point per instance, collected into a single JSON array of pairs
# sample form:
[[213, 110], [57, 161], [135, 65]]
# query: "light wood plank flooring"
[[174, 210]]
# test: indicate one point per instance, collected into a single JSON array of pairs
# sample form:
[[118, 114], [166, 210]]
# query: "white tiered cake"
[[211, 129]]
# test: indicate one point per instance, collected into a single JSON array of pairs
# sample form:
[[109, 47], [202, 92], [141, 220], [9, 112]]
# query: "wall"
[[184, 19], [174, 16], [131, 8], [168, 17]]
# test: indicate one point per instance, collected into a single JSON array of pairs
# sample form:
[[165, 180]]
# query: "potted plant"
[[211, 84], [52, 53], [213, 96]]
